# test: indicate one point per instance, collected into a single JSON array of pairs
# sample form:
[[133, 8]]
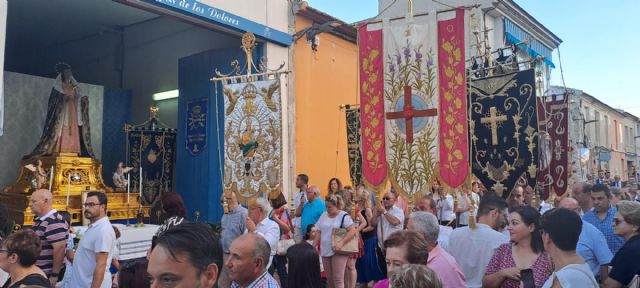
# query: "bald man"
[[592, 246], [53, 232], [582, 193]]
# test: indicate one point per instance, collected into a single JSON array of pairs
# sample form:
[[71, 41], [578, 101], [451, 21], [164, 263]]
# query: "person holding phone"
[[508, 266]]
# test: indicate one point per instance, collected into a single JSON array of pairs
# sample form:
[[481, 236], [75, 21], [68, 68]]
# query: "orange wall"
[[324, 80]]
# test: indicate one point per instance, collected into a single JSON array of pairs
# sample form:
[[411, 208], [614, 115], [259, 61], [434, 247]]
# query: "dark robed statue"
[[66, 128]]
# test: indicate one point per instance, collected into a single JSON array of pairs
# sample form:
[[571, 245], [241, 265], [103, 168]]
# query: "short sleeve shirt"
[[626, 264], [503, 259], [592, 247], [311, 213], [51, 229], [98, 238], [326, 225]]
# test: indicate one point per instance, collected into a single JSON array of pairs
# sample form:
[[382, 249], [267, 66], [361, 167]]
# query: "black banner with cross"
[[504, 131]]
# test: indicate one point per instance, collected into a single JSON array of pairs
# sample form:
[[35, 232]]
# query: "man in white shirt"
[[265, 227], [95, 248], [302, 183], [388, 218], [473, 248]]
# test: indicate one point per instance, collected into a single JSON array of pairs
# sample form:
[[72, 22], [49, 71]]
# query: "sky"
[[599, 39]]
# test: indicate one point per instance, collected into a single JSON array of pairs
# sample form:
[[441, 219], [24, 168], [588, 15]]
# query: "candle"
[[51, 178], [68, 191], [140, 183], [128, 187]]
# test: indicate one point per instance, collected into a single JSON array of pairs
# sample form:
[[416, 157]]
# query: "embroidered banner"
[[353, 145], [411, 102], [557, 123], [544, 142], [454, 137], [154, 150], [196, 130], [374, 162], [253, 138], [504, 129]]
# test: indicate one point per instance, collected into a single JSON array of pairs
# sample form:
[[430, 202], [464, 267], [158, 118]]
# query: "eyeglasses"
[[90, 205], [617, 221], [386, 198], [4, 250]]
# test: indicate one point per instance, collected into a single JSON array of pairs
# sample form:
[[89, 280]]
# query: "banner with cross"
[[504, 131], [411, 102]]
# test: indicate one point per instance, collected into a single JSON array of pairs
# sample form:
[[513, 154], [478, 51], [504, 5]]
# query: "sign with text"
[[223, 18]]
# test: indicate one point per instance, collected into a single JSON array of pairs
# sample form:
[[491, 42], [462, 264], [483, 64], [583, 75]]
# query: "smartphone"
[[526, 277]]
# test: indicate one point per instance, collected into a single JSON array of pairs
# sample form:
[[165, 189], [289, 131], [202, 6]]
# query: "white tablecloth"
[[134, 242]]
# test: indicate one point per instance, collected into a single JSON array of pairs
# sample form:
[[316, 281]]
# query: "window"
[[607, 141]]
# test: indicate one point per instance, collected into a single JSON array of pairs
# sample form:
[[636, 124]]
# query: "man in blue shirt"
[[602, 216], [592, 246], [310, 210]]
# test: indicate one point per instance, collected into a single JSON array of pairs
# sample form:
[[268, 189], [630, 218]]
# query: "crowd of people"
[[348, 239]]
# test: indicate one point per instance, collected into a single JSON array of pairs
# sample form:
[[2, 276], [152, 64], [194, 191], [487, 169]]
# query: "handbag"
[[284, 244], [337, 234]]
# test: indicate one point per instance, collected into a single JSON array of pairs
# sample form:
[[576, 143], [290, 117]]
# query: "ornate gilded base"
[[75, 175]]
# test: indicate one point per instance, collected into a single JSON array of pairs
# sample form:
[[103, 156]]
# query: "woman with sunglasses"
[[626, 263], [334, 263], [18, 257]]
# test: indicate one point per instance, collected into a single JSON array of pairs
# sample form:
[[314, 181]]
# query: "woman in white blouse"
[[334, 264]]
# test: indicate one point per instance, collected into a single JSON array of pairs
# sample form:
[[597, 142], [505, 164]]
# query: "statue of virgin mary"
[[66, 128]]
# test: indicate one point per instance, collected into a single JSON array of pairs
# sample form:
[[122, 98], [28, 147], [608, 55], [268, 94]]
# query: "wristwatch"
[[385, 212]]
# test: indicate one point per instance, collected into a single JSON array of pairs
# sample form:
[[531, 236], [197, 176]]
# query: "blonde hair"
[[630, 211], [364, 197], [335, 200], [414, 275]]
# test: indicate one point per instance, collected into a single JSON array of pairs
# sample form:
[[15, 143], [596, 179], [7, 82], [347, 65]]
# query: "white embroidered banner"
[[411, 101]]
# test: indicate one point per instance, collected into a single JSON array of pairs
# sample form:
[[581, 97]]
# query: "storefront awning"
[[515, 34]]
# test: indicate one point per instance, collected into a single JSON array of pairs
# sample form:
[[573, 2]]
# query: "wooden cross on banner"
[[493, 120], [408, 113]]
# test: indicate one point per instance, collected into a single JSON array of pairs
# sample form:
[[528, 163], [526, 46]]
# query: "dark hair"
[[304, 178], [102, 197], [116, 231], [197, 241], [307, 235], [278, 201], [329, 185], [531, 216], [66, 216], [601, 188], [173, 205], [26, 244], [432, 203], [133, 274], [489, 203], [304, 266], [563, 226], [60, 67], [413, 241], [4, 220]]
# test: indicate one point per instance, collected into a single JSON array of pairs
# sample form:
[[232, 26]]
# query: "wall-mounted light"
[[166, 95]]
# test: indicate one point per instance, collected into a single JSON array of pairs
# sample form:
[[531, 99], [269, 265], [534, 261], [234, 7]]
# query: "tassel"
[[472, 212]]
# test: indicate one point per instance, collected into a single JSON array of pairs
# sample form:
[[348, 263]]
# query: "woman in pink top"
[[523, 260]]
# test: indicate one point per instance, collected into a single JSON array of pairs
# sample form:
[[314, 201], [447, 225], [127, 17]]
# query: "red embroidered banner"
[[544, 142], [454, 139], [374, 160], [555, 150]]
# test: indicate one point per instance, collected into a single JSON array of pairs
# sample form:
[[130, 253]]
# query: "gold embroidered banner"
[[454, 139], [374, 162]]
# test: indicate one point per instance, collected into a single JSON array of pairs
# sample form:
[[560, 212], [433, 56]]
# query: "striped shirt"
[[264, 281], [52, 229]]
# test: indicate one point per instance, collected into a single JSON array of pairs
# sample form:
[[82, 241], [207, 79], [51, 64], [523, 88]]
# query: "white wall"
[[271, 13]]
